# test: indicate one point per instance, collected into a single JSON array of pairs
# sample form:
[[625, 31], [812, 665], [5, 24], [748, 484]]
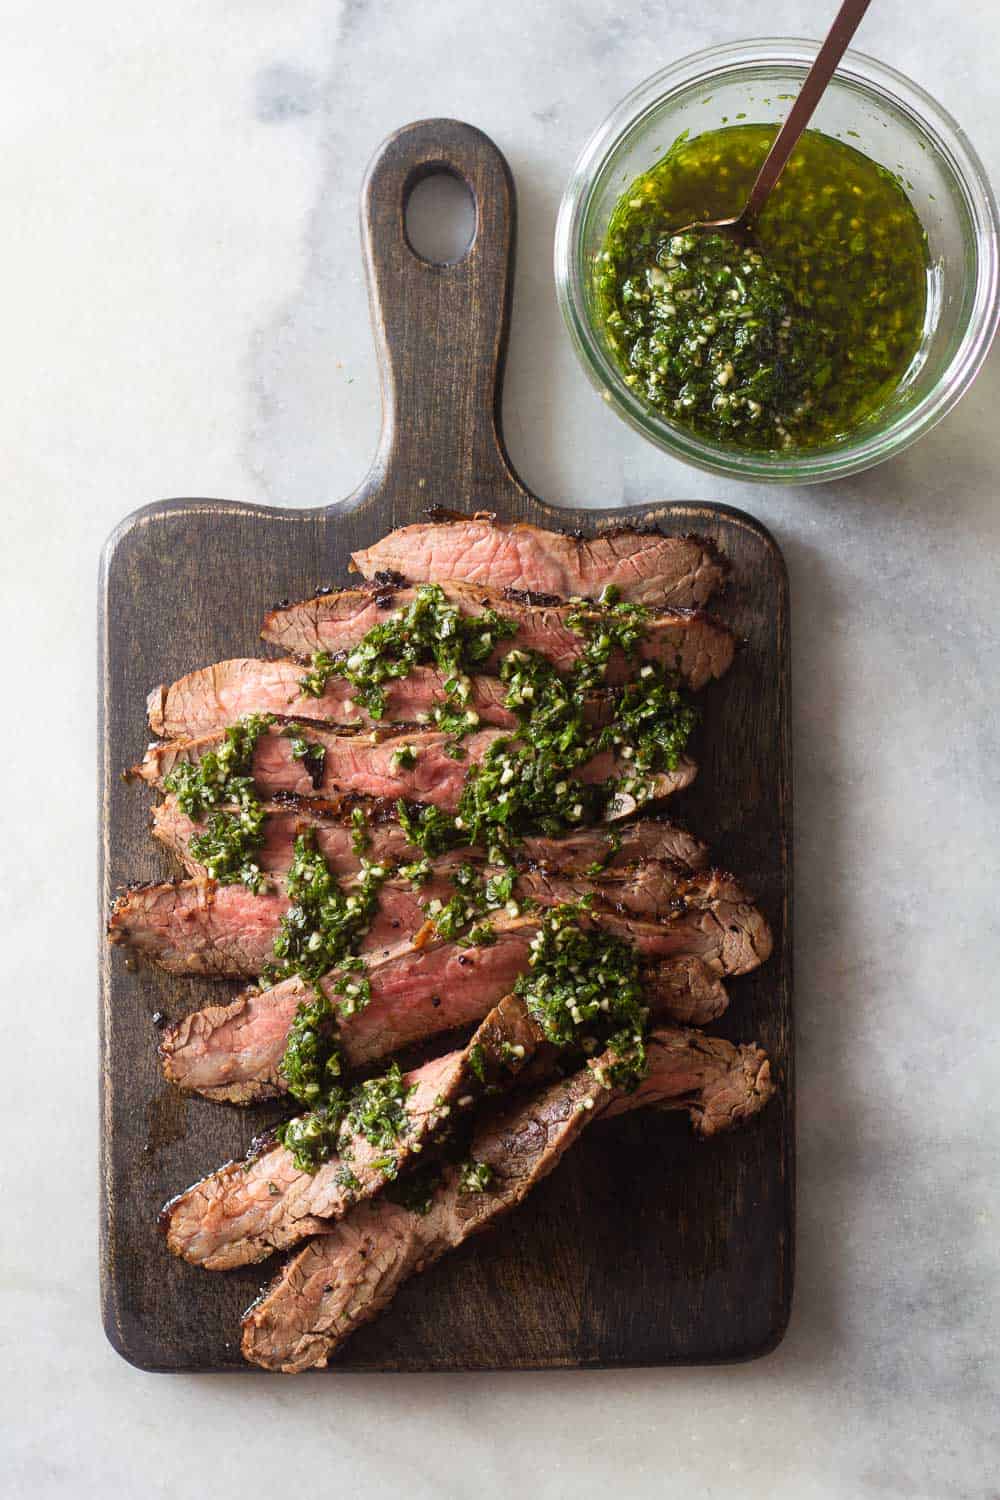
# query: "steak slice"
[[347, 1276], [196, 926], [248, 1209], [232, 1052], [573, 854], [688, 641], [361, 766], [645, 567], [220, 694]]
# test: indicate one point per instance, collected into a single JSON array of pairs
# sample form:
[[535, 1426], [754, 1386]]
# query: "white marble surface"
[[183, 313]]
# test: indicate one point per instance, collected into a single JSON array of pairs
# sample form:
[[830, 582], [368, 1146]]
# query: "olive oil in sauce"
[[790, 343]]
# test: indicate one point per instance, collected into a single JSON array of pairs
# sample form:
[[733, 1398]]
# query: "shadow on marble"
[[944, 478]]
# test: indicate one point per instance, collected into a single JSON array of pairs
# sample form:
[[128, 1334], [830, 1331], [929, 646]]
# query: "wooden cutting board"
[[646, 1246]]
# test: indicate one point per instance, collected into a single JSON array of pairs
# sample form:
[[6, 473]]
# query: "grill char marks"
[[353, 764], [343, 1279], [686, 640], [645, 567], [246, 1210], [197, 927], [232, 1052], [572, 854]]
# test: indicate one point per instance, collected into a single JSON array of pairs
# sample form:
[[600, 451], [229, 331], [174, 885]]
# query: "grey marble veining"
[[184, 313]]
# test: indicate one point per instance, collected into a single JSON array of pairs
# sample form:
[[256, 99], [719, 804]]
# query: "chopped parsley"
[[582, 987], [653, 721], [346, 1179], [403, 759], [526, 783], [221, 775], [310, 1064], [474, 1176], [585, 990], [417, 873], [618, 624], [312, 1139], [231, 839], [790, 342], [308, 752], [474, 897], [480, 936], [360, 836], [321, 928], [220, 783], [319, 933], [374, 1110], [429, 631], [428, 828]]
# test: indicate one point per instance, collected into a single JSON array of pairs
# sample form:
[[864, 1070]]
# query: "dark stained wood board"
[[646, 1246]]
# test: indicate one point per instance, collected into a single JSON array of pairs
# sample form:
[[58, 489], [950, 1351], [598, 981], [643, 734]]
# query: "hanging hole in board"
[[440, 218]]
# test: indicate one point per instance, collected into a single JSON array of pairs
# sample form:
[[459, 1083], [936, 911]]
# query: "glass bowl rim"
[[886, 86]]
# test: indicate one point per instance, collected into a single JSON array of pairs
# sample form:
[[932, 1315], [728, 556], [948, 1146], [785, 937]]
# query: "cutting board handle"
[[440, 329]]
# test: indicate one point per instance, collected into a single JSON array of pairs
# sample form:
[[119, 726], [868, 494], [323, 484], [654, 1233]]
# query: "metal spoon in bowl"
[[846, 24]]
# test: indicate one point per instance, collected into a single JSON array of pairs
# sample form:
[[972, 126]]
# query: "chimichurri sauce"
[[790, 344]]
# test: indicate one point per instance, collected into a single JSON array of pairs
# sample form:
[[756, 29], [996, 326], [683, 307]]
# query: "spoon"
[[847, 21]]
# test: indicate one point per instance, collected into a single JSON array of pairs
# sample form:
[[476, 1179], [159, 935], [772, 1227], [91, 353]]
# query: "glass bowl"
[[891, 120]]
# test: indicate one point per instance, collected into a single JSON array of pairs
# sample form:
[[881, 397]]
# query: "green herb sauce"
[[474, 897], [233, 835], [319, 933], [474, 1176], [360, 835], [792, 343], [585, 990], [429, 631], [525, 783], [374, 1110], [220, 783], [582, 986], [310, 1064], [307, 751], [325, 920]]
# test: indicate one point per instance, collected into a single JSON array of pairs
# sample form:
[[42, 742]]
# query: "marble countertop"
[[184, 313]]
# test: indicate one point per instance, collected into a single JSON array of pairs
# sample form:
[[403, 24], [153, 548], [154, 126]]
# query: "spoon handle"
[[838, 38]]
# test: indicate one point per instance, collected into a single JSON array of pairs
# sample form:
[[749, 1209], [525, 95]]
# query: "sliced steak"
[[419, 990], [218, 695], [356, 765], [687, 991], [645, 567], [198, 927], [686, 640], [573, 854], [344, 1278], [713, 919], [248, 1209], [232, 1052]]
